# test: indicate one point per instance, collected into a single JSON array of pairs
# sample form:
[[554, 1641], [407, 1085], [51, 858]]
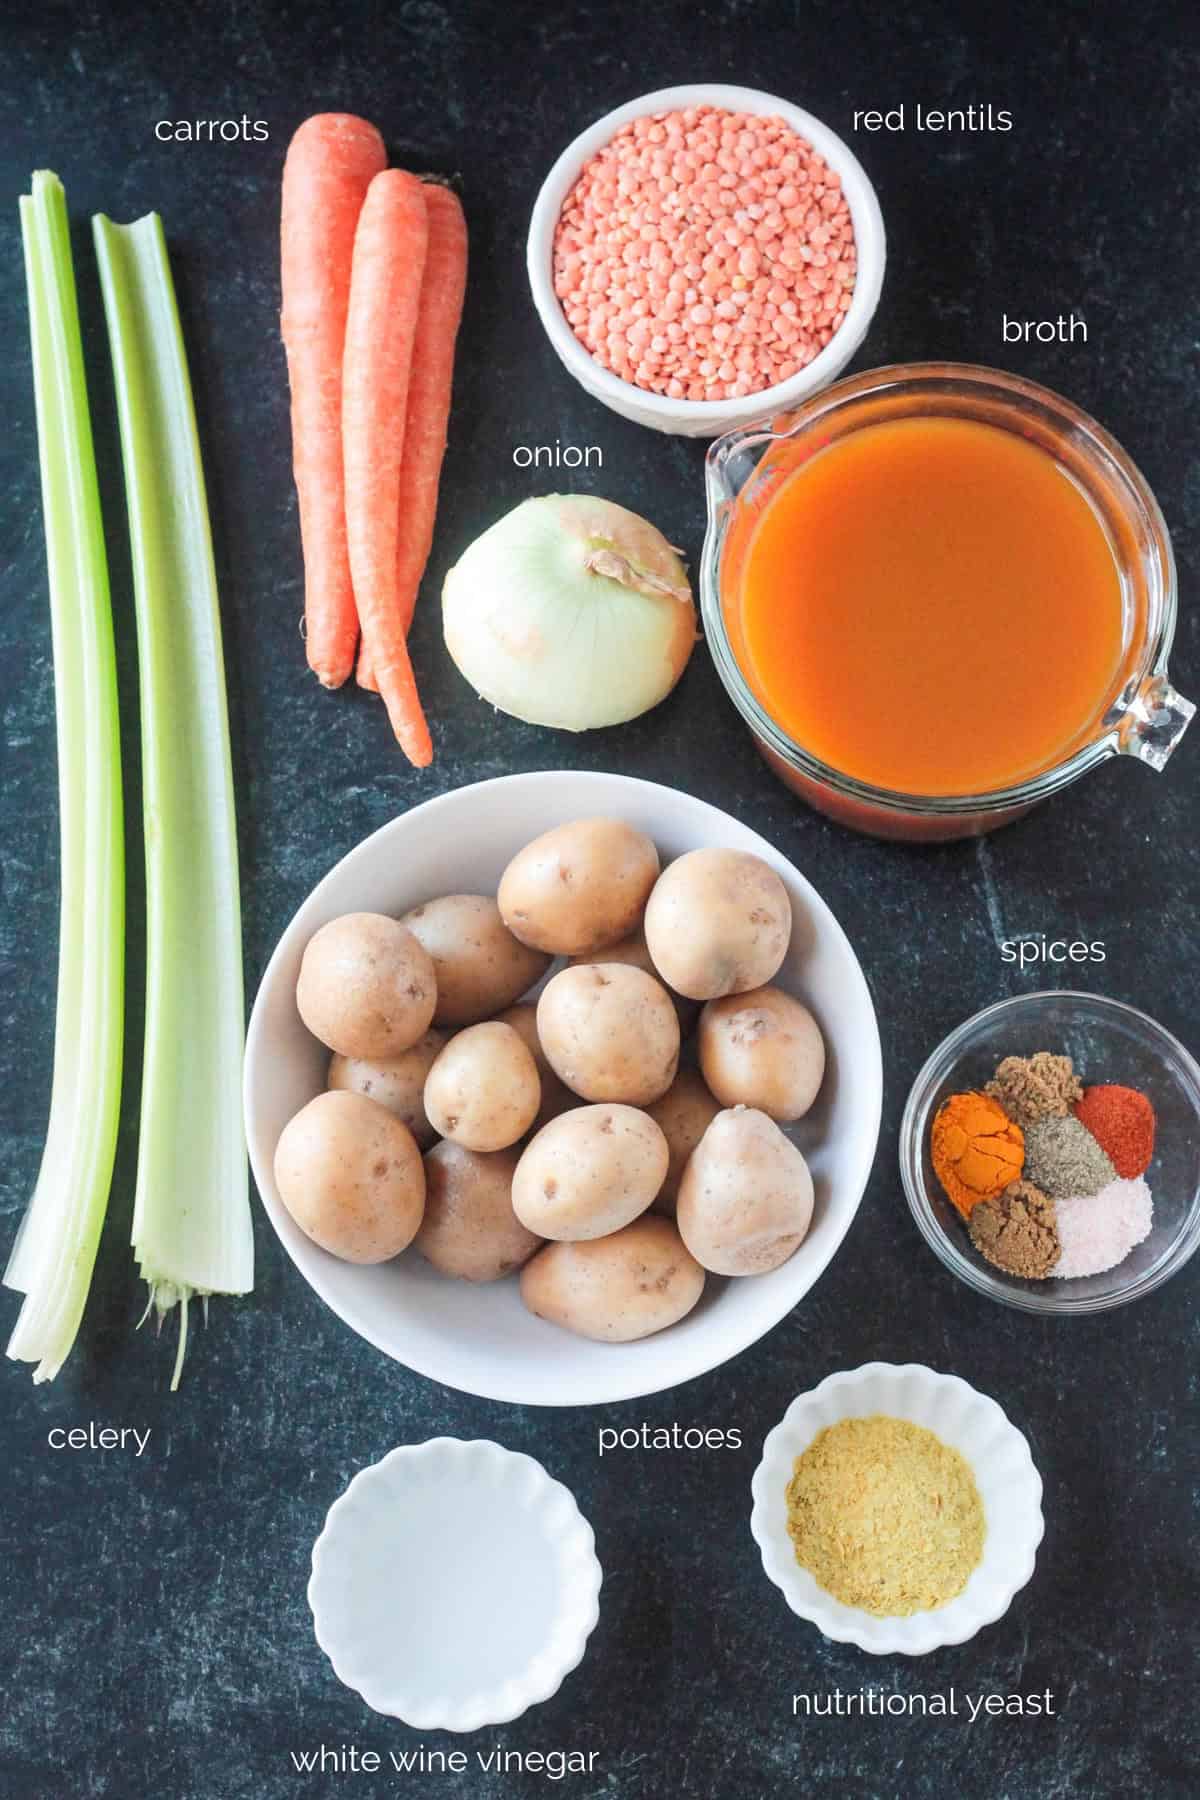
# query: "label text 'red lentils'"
[[934, 118]]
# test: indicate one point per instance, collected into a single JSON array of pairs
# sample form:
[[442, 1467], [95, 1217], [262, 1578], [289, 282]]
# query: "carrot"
[[364, 674], [330, 164], [442, 288], [381, 324]]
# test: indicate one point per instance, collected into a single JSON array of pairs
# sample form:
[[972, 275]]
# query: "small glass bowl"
[[1107, 1041]]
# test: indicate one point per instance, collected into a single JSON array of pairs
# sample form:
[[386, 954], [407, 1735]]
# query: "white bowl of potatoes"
[[550, 1108]]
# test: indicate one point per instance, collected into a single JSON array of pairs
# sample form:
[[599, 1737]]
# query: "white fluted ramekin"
[[454, 1585], [1009, 1486]]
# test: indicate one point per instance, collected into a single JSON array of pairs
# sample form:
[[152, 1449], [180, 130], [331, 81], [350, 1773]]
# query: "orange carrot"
[[364, 674], [381, 325], [330, 164], [442, 288]]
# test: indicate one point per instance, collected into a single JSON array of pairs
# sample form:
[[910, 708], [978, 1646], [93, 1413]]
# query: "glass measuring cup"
[[1140, 714]]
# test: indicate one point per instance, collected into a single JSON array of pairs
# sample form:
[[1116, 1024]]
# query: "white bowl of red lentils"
[[704, 256]]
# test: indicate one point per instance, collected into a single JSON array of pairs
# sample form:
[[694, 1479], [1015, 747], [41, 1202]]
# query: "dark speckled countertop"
[[156, 1636]]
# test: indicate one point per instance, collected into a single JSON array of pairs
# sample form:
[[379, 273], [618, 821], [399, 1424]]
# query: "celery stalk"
[[55, 1252], [191, 1225]]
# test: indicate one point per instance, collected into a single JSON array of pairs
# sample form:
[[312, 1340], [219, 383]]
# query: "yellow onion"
[[571, 612]]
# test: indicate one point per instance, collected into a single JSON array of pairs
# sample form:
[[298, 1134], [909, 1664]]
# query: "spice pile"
[[1048, 1175], [705, 254]]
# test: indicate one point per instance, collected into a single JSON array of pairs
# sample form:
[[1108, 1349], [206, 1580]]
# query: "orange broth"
[[931, 606]]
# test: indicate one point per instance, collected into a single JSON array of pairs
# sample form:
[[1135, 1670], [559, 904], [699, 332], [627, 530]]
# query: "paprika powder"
[[1122, 1122]]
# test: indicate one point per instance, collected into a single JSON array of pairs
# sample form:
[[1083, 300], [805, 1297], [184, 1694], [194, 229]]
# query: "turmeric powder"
[[976, 1148]]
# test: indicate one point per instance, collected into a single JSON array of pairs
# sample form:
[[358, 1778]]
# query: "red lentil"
[[705, 254]]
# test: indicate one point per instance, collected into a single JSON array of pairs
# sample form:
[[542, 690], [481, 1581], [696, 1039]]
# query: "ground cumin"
[[1041, 1086], [885, 1516], [1018, 1231]]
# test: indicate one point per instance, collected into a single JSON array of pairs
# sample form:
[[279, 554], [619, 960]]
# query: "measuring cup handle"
[[1155, 721]]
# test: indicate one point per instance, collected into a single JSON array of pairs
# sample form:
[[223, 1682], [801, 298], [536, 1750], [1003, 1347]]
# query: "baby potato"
[[635, 951], [618, 1288], [556, 1096], [350, 1175], [470, 1230], [578, 886], [746, 1198], [610, 1032], [718, 922], [366, 986], [479, 965], [762, 1049], [589, 1172], [683, 1115], [397, 1082], [483, 1089]]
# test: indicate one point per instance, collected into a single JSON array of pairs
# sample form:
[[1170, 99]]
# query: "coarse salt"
[[701, 206], [1097, 1231]]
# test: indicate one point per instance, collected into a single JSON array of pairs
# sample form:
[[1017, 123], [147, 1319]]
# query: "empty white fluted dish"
[[1009, 1487], [454, 1584]]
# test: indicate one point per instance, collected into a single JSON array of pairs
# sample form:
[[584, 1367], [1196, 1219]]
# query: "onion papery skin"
[[540, 629]]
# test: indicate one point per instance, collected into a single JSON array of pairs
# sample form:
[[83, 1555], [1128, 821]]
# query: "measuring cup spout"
[[1154, 722], [722, 479]]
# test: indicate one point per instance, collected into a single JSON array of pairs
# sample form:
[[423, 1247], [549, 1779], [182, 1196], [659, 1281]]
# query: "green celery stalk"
[[55, 1251], [191, 1225]]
